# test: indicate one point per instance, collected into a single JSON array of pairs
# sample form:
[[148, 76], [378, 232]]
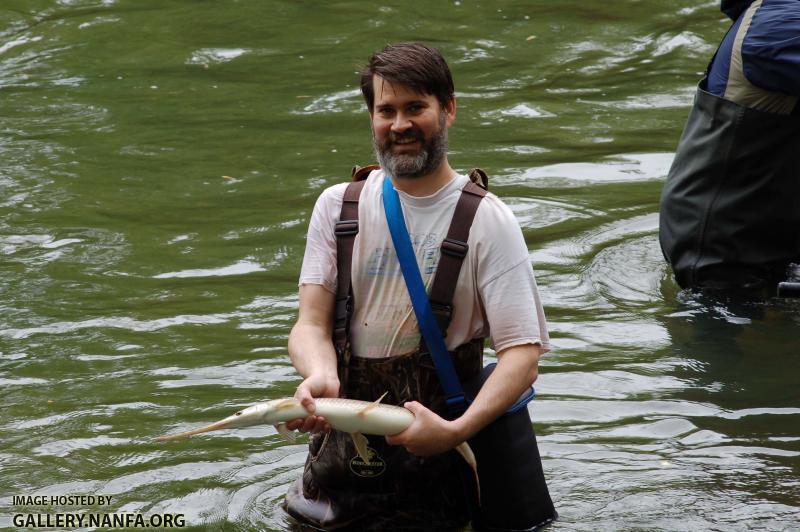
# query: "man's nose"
[[400, 123]]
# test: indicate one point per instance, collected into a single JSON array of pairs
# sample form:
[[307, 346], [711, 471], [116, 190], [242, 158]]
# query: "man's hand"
[[429, 434], [316, 385], [517, 368]]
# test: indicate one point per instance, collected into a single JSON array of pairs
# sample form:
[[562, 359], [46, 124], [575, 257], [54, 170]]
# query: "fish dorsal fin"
[[372, 405]]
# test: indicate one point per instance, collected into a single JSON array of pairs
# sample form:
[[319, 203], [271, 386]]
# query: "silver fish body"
[[346, 415]]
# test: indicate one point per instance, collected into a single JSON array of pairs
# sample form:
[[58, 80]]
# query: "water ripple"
[[242, 267], [118, 323], [208, 56], [618, 169], [338, 102], [253, 374], [62, 448]]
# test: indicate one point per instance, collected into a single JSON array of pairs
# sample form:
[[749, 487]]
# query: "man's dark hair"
[[410, 64]]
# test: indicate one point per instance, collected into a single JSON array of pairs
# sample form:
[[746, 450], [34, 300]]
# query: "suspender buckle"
[[454, 248], [346, 228], [344, 307], [342, 313], [443, 314]]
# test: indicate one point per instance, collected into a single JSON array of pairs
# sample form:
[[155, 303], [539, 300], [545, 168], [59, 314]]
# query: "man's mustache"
[[412, 134]]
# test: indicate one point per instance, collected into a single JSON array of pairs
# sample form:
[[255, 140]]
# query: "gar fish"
[[347, 415]]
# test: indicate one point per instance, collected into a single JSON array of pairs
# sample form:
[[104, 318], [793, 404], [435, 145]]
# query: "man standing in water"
[[369, 343], [730, 210]]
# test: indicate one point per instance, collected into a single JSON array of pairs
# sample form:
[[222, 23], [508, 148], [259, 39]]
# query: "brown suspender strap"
[[454, 249], [346, 231]]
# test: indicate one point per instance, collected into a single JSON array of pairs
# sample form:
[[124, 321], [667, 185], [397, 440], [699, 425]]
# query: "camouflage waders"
[[395, 490]]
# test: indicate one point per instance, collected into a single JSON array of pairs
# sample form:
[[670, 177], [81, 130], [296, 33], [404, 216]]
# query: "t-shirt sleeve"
[[506, 282], [319, 260]]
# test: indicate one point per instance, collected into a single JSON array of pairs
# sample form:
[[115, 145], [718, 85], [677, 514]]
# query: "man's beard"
[[410, 165]]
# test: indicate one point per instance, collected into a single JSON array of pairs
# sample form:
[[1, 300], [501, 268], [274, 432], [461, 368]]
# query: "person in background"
[[411, 480], [730, 208]]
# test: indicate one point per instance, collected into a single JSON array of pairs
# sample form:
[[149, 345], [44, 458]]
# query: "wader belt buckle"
[[346, 228], [454, 248]]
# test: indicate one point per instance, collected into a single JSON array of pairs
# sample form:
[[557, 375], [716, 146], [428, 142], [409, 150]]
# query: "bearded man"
[[357, 336]]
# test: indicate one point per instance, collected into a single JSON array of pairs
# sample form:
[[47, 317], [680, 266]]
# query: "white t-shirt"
[[496, 293]]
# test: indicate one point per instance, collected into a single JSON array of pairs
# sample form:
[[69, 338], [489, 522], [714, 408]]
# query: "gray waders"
[[730, 209]]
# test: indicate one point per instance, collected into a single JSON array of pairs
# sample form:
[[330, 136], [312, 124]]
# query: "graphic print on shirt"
[[396, 308]]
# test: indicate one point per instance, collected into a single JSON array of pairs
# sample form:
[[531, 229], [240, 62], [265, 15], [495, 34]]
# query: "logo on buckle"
[[373, 468]]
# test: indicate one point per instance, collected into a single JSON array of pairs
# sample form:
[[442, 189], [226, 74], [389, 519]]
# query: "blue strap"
[[428, 325]]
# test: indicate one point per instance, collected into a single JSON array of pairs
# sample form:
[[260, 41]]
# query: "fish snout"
[[219, 425]]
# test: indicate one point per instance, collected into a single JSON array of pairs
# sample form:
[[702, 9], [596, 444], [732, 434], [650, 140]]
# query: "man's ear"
[[450, 112]]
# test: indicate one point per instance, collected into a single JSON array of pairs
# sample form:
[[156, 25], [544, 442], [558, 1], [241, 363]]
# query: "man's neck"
[[425, 185]]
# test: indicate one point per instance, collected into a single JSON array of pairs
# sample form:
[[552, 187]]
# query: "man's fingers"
[[414, 407], [308, 404], [310, 424], [295, 424], [303, 394]]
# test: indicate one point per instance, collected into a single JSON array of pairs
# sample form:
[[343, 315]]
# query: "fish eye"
[[239, 413]]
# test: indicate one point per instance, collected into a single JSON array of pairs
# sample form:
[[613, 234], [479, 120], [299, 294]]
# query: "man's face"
[[409, 129]]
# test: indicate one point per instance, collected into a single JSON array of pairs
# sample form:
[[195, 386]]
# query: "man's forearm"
[[517, 369], [311, 350]]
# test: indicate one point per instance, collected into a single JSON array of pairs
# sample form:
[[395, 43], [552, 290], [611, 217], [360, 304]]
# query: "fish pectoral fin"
[[469, 457], [285, 433], [360, 441], [285, 403], [372, 405]]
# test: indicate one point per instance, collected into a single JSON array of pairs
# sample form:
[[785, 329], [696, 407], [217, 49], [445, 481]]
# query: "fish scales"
[[350, 415]]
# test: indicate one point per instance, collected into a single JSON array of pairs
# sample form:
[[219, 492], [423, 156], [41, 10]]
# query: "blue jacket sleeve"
[[771, 47]]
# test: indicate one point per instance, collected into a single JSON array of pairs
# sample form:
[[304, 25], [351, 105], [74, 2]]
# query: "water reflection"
[[742, 356]]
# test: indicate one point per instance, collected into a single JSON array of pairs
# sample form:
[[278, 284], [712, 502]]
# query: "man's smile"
[[410, 141], [406, 145]]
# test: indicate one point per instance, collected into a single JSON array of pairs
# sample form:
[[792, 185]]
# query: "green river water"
[[159, 161]]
